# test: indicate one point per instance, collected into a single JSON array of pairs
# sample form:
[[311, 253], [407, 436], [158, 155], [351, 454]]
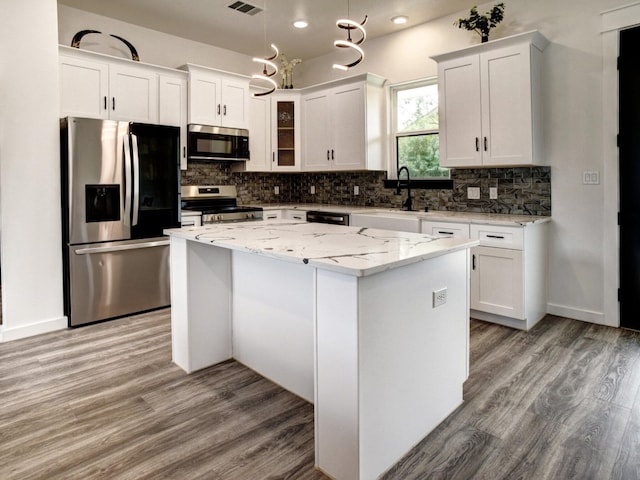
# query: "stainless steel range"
[[218, 204]]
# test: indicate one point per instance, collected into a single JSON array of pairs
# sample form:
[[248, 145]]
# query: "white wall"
[[29, 169], [573, 127], [152, 46]]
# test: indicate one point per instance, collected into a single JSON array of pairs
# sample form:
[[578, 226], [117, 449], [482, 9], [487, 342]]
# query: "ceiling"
[[213, 22]]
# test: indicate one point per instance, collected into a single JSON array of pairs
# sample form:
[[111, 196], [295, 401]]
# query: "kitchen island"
[[369, 325]]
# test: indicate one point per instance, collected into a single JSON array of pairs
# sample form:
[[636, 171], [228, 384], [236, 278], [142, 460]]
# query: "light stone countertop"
[[350, 250], [432, 215]]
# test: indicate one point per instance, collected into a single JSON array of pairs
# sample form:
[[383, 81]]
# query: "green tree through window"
[[416, 130]]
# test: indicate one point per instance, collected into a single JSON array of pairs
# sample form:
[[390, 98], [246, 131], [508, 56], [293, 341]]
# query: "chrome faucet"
[[407, 203]]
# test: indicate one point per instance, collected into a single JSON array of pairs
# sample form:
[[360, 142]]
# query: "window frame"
[[392, 174]]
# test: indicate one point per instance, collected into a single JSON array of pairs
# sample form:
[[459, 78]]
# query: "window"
[[415, 129]]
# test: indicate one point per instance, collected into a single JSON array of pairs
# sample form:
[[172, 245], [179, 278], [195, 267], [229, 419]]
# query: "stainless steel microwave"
[[206, 142]]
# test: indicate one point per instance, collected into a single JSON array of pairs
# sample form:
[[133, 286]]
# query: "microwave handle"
[[127, 178], [136, 179]]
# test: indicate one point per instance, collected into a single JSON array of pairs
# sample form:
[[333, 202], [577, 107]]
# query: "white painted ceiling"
[[213, 22]]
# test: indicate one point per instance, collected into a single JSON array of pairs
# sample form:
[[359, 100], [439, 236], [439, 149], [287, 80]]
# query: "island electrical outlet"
[[439, 297]]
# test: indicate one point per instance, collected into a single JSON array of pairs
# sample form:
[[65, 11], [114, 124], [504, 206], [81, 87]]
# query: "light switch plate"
[[313, 189], [493, 193], [590, 177], [473, 193], [356, 190], [276, 190]]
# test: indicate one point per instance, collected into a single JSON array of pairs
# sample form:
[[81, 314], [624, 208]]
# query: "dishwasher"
[[333, 218]]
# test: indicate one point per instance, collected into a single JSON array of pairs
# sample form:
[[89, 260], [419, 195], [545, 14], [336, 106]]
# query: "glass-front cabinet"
[[285, 131]]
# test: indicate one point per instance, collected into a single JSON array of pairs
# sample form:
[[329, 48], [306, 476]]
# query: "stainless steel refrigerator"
[[120, 189]]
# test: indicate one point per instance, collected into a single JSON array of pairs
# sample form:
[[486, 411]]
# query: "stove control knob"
[[250, 215]]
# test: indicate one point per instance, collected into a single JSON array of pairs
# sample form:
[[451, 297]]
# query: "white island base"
[[382, 365]]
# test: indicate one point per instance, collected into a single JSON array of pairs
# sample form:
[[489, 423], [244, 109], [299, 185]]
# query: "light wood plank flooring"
[[105, 402]]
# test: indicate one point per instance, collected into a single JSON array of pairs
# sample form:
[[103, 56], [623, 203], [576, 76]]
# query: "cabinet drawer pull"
[[500, 237], [444, 232], [477, 144], [485, 144]]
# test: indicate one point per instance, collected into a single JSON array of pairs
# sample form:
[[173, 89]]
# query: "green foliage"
[[421, 155], [482, 24]]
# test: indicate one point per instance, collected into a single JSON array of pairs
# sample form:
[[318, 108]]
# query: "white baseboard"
[[578, 314], [8, 333]]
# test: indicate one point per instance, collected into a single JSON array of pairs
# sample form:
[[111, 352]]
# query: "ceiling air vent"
[[245, 8]]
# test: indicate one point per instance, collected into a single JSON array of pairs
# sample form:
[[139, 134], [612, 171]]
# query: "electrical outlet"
[[313, 189], [493, 193], [473, 193], [276, 190], [439, 297], [356, 190]]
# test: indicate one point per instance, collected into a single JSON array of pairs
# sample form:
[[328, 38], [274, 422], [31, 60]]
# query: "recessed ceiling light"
[[399, 19], [300, 24]]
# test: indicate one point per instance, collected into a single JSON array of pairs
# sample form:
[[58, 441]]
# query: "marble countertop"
[[433, 215], [349, 250]]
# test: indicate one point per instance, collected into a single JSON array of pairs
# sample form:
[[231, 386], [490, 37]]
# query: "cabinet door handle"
[[218, 109], [113, 103], [477, 144], [273, 156], [485, 144], [496, 236], [105, 102], [184, 152], [473, 261], [332, 155], [224, 110], [328, 157]]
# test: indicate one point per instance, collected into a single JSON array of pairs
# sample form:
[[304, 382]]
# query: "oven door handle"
[[120, 248], [136, 179], [127, 179]]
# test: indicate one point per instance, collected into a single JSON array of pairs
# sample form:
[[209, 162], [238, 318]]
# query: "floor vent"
[[245, 8]]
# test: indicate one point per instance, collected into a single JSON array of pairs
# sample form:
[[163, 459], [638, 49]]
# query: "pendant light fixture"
[[349, 25], [267, 76]]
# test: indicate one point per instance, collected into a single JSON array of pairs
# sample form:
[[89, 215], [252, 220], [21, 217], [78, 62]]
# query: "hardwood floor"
[[105, 402]]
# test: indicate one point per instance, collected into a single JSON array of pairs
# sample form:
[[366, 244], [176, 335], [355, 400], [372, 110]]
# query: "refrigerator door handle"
[[127, 180], [136, 179], [120, 248]]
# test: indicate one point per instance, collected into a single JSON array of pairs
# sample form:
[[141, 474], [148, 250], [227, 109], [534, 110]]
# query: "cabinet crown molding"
[[534, 37]]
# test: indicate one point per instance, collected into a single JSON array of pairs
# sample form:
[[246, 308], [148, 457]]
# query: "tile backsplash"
[[521, 191]]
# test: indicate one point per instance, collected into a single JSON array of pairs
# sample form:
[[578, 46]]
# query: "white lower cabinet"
[[497, 282], [508, 270], [509, 273]]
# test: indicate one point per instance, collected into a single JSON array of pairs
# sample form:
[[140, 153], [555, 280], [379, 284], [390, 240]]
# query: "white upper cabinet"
[[95, 85], [490, 100], [134, 94], [274, 133], [173, 108], [343, 125], [99, 86], [217, 98]]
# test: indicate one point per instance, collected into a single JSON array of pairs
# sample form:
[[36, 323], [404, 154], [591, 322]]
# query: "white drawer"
[[498, 236], [445, 229], [271, 214], [296, 215]]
